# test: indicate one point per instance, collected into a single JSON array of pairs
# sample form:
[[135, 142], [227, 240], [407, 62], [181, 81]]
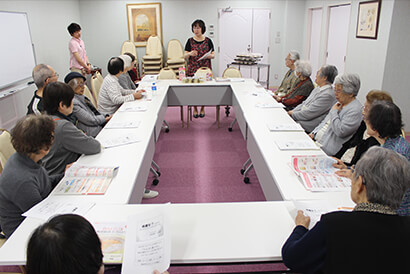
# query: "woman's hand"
[[302, 219], [108, 118], [339, 164], [312, 136], [193, 53], [157, 272], [138, 94], [347, 173], [277, 98], [337, 106]]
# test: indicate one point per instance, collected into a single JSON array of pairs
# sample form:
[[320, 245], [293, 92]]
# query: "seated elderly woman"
[[125, 78], [66, 244], [290, 79], [24, 182], [343, 119], [112, 95], [69, 141], [371, 238], [354, 148], [88, 118], [384, 123], [302, 89], [311, 112]]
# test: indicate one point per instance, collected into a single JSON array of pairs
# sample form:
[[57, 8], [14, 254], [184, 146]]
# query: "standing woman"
[[195, 48]]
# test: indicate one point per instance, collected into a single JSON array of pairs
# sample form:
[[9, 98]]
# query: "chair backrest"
[[154, 47], [6, 148], [129, 46], [232, 72], [167, 73], [174, 50], [96, 82], [202, 71], [90, 96]]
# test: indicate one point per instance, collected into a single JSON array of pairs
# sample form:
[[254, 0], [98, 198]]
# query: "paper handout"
[[112, 236], [120, 141], [205, 55], [148, 242], [318, 174]]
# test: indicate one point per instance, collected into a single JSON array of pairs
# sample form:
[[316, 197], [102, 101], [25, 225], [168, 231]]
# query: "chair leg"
[[182, 115], [217, 116]]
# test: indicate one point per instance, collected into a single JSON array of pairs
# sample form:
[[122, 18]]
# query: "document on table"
[[284, 127], [205, 55], [120, 141], [295, 144], [133, 107], [112, 236], [123, 124], [314, 209], [318, 174], [148, 242], [272, 104], [55, 206]]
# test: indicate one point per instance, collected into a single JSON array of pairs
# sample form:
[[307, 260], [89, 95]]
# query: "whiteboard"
[[16, 48]]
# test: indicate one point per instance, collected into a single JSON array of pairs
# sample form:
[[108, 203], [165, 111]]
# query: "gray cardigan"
[[69, 143], [88, 121], [23, 184], [126, 81], [311, 112], [343, 124]]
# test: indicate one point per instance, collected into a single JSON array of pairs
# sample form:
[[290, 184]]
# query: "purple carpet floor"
[[202, 163]]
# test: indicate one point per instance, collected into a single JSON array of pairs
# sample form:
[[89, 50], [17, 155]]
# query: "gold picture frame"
[[368, 19], [144, 20]]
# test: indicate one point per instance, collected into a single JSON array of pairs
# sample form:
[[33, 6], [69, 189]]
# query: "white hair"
[[294, 55], [304, 67], [127, 60], [350, 83]]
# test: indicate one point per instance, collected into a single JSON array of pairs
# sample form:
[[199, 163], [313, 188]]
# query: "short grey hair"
[[304, 67], [350, 83], [40, 74], [294, 55], [330, 72], [386, 175]]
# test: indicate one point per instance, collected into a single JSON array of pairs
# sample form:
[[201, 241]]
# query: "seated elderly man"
[[42, 75], [302, 89], [311, 112], [89, 119], [343, 119], [290, 78], [370, 239]]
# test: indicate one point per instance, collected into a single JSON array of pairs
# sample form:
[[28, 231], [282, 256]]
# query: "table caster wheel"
[[242, 171], [230, 129], [167, 130], [246, 180], [155, 182]]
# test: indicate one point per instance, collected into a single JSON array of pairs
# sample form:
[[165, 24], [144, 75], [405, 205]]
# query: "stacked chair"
[[96, 82], [152, 61], [129, 46], [6, 148], [175, 55]]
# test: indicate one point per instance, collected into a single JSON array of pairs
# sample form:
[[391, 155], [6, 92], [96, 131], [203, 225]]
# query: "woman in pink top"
[[78, 56]]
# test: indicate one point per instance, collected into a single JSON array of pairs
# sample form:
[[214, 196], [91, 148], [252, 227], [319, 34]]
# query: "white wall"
[[397, 66], [108, 22], [48, 24]]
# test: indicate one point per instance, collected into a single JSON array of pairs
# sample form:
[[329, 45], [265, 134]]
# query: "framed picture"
[[144, 20], [368, 19]]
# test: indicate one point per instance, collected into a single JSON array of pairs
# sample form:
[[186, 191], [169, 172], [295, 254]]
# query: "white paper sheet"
[[205, 55], [112, 236], [119, 141], [133, 107], [284, 127], [123, 124], [55, 206], [314, 209], [296, 144], [148, 242]]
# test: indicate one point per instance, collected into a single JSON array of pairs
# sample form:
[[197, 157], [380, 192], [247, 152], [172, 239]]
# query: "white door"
[[314, 40], [243, 31], [339, 18], [235, 36], [260, 40]]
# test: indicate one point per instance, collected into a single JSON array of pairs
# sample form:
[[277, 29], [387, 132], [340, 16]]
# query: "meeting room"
[[183, 136]]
